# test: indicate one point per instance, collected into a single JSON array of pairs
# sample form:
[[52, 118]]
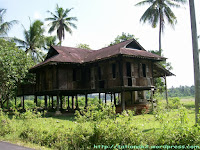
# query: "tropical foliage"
[[14, 65], [49, 40], [61, 22], [103, 129], [181, 91], [122, 38], [33, 41], [160, 12], [5, 26], [83, 46]]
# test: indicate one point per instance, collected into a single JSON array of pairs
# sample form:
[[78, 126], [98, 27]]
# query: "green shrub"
[[5, 124], [174, 103], [97, 112]]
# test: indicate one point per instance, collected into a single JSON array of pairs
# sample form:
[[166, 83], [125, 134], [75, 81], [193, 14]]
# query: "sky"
[[101, 21]]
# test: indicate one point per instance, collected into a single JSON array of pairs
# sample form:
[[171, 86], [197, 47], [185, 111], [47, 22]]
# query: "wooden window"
[[89, 74], [144, 73], [128, 69], [74, 75], [99, 73], [114, 70]]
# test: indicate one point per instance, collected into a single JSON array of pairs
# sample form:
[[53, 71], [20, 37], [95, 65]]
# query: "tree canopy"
[[61, 22], [5, 26], [122, 38], [160, 12], [14, 65], [33, 40], [83, 46]]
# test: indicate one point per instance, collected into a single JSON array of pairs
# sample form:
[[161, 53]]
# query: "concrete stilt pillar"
[[57, 106], [123, 101]]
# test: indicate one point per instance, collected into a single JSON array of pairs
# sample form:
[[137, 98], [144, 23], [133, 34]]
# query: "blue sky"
[[100, 21]]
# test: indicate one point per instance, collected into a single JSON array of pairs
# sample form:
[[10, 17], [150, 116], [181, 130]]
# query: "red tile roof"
[[78, 55]]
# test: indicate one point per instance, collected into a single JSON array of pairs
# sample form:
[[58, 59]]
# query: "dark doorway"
[[128, 69], [114, 70], [128, 73], [99, 73], [74, 74], [144, 70]]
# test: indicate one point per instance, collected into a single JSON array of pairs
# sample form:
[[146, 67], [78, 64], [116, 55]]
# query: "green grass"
[[58, 132]]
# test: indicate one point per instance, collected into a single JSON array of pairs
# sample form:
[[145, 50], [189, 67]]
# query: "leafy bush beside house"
[[14, 65]]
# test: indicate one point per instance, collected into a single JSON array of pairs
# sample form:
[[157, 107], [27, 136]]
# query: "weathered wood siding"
[[101, 75]]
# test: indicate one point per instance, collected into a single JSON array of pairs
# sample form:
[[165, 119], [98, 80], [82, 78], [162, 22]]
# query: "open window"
[[74, 75], [128, 73], [144, 73], [128, 69], [114, 70], [99, 73]]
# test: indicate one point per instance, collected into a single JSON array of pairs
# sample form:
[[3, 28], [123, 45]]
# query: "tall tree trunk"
[[160, 33], [166, 92], [195, 59]]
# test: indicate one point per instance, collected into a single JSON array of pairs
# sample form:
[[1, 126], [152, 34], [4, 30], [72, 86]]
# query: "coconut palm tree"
[[33, 41], [49, 40], [61, 22], [158, 12], [195, 60], [5, 26]]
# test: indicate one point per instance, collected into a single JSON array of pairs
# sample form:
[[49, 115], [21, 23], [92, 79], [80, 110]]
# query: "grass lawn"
[[43, 131]]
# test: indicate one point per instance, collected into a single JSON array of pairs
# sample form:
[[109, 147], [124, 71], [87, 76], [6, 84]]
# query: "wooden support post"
[[1, 104], [99, 98], [45, 102], [131, 92], [49, 101], [115, 99], [15, 102], [152, 99], [68, 107], [122, 101], [111, 97], [105, 98], [77, 107], [61, 102], [86, 100], [119, 100], [52, 102], [57, 107], [72, 102], [7, 103], [166, 93], [64, 101], [23, 102], [35, 100]]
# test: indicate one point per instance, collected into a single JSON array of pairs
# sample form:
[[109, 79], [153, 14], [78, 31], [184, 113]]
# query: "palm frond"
[[67, 29], [6, 26], [21, 42], [170, 3], [65, 14], [72, 25], [52, 14], [171, 18], [71, 19], [53, 27], [180, 1], [61, 22], [144, 2], [50, 19]]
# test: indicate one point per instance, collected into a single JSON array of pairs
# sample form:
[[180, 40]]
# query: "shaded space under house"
[[125, 71]]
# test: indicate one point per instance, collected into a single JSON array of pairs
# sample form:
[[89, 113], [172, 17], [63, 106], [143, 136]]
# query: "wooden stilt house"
[[126, 69]]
